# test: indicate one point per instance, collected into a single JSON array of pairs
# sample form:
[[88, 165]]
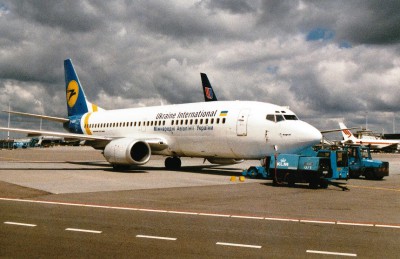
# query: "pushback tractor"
[[317, 168]]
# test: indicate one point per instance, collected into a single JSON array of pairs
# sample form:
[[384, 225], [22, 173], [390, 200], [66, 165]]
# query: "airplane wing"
[[57, 119], [337, 130], [57, 134], [156, 144]]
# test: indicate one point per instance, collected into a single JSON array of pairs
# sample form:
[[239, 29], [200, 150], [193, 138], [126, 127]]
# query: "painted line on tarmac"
[[354, 224], [238, 245], [19, 224], [214, 215], [157, 237], [317, 221], [283, 219], [307, 221], [84, 230], [330, 253], [374, 188]]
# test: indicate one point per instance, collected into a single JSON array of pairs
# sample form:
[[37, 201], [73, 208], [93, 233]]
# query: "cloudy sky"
[[326, 60]]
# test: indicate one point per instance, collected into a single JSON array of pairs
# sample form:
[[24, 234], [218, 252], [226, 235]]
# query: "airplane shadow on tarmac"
[[200, 169]]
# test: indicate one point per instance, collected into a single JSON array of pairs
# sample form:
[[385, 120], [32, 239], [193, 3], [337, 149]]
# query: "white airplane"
[[373, 141], [221, 132]]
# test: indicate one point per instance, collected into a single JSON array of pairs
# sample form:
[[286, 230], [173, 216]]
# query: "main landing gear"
[[173, 163]]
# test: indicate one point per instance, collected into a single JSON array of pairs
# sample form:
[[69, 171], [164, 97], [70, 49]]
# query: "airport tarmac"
[[67, 202]]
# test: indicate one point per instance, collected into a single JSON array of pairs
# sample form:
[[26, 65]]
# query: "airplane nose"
[[312, 136]]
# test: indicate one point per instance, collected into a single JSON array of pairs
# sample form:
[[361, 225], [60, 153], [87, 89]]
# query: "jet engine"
[[224, 161], [127, 151]]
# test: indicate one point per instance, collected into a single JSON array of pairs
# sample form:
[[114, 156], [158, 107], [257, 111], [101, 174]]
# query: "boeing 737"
[[220, 132], [374, 142]]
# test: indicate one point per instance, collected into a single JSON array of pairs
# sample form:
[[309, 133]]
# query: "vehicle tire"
[[252, 173], [369, 175], [354, 175], [323, 183], [291, 180], [314, 183], [378, 177]]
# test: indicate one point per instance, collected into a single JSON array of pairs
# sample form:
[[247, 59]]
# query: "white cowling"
[[224, 161], [127, 151]]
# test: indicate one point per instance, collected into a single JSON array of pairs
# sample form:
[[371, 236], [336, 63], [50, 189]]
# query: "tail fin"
[[77, 103], [346, 133], [209, 94]]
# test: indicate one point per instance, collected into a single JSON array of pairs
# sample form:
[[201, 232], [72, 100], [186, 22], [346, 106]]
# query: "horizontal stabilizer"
[[57, 119], [56, 134]]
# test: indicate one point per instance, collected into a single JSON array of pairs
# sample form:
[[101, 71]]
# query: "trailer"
[[318, 168]]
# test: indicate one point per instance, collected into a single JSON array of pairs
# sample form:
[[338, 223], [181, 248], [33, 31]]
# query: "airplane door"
[[241, 124]]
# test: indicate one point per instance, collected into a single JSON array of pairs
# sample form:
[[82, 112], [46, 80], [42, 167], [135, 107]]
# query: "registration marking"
[[157, 237], [238, 245], [84, 230], [330, 253], [19, 224]]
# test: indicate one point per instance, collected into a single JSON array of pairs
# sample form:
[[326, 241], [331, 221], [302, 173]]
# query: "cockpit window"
[[279, 118], [290, 117], [271, 117]]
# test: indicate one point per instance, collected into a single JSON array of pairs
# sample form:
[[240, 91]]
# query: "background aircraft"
[[374, 141], [209, 94]]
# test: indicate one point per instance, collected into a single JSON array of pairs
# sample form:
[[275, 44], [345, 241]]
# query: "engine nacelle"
[[127, 151], [224, 161]]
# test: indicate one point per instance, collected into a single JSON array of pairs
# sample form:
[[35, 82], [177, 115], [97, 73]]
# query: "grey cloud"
[[147, 52], [75, 16], [234, 7]]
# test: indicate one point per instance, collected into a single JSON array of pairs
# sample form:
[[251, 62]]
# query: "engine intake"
[[127, 151]]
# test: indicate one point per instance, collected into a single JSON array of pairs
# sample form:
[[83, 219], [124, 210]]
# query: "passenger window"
[[206, 122], [223, 120], [212, 121], [196, 121], [201, 121]]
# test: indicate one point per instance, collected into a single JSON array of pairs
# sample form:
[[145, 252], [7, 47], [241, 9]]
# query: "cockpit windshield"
[[290, 117], [281, 116]]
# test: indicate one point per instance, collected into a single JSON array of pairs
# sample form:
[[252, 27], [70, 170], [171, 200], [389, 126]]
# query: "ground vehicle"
[[362, 164], [318, 168]]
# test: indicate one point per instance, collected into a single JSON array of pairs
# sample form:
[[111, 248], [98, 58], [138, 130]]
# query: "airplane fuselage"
[[223, 129]]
